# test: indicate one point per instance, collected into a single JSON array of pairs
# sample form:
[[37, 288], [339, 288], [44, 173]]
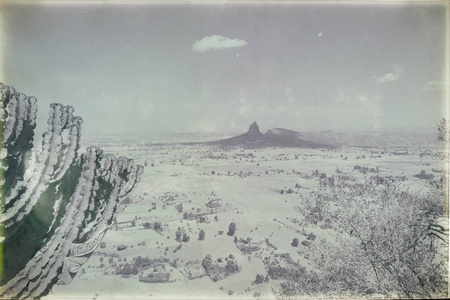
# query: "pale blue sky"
[[133, 68]]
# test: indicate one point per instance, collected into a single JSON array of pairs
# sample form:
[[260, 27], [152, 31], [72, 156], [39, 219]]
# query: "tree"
[[157, 226], [147, 225], [54, 203], [185, 238], [231, 229], [207, 262], [259, 279], [443, 130], [178, 235], [294, 242], [385, 241], [201, 235]]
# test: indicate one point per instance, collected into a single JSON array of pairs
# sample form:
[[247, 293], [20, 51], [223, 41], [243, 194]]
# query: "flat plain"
[[155, 248]]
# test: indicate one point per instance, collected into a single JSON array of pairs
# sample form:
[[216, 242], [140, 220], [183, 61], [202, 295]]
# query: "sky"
[[191, 67]]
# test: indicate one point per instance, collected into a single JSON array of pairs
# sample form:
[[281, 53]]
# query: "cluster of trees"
[[386, 241], [138, 264], [156, 226], [181, 236], [127, 269], [217, 272], [261, 279]]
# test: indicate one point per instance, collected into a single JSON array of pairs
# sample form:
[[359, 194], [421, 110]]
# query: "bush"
[[185, 238], [231, 229], [259, 279], [387, 242], [157, 226], [201, 235], [178, 235], [424, 175]]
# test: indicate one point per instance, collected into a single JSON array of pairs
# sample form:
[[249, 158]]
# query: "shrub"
[[231, 229], [185, 238], [387, 241], [259, 279], [201, 235], [424, 175], [178, 235], [157, 226]]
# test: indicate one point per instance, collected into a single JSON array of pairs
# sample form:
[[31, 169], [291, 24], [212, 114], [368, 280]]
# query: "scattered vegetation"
[[220, 270], [386, 241]]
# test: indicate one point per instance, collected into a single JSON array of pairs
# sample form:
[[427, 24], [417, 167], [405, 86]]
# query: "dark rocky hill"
[[276, 137]]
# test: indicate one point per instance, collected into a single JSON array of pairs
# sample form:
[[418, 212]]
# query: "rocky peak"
[[254, 129]]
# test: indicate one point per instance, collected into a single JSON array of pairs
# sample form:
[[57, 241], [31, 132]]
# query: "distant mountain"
[[373, 139], [288, 136], [276, 137]]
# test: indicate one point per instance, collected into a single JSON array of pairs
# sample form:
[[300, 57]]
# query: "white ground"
[[253, 200]]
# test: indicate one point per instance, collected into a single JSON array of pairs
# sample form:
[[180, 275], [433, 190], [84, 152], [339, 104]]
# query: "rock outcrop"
[[276, 137]]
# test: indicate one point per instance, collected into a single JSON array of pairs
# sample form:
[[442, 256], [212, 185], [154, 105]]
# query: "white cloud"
[[388, 77], [434, 86], [215, 42]]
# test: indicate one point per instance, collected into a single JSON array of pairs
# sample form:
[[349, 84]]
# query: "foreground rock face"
[[276, 137]]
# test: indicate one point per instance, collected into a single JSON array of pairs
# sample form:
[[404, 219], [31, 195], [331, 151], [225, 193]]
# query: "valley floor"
[[193, 188]]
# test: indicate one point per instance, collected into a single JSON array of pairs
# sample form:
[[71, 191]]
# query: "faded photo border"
[[139, 107]]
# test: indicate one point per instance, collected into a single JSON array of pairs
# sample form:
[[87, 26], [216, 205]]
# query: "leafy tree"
[[201, 235], [157, 226], [207, 262], [147, 225], [385, 241], [259, 279], [443, 131], [231, 229], [294, 242], [178, 235], [185, 238]]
